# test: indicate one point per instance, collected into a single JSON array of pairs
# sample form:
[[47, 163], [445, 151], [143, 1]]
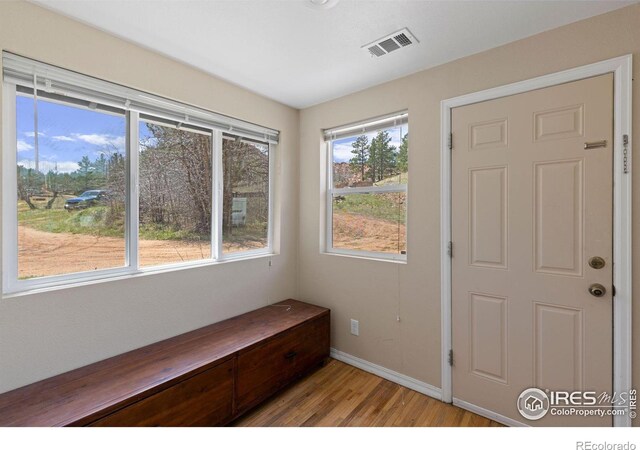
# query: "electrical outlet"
[[355, 327]]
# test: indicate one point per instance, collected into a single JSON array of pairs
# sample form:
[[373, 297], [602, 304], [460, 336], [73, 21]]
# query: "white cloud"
[[102, 139], [24, 146], [63, 138], [46, 166], [67, 166], [342, 152], [32, 134]]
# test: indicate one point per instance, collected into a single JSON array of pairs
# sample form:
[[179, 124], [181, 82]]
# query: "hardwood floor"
[[342, 395]]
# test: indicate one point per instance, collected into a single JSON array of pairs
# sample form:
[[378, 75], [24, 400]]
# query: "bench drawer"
[[206, 399], [267, 368]]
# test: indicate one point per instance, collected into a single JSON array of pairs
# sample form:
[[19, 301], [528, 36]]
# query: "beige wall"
[[45, 334], [376, 292]]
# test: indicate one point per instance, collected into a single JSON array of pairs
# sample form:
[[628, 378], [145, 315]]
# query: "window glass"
[[245, 205], [374, 159], [175, 197], [372, 222], [71, 188], [376, 166]]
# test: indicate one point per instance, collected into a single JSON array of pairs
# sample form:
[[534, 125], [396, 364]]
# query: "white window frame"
[[367, 127], [12, 285]]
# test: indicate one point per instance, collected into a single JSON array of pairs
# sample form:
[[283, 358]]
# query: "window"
[[245, 220], [367, 188], [175, 198], [101, 180], [70, 186]]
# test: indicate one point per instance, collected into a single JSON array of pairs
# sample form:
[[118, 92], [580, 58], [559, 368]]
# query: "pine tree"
[[361, 155], [403, 154], [85, 172], [382, 157]]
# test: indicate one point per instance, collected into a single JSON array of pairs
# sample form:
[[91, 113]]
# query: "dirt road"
[[42, 253]]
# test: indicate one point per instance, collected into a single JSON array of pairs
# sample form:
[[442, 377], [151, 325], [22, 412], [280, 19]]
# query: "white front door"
[[531, 208]]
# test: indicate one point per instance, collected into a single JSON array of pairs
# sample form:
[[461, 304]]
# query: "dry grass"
[[361, 232]]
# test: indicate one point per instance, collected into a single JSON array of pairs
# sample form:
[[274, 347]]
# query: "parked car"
[[85, 200]]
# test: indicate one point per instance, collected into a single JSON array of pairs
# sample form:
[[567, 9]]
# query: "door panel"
[[488, 217], [558, 217], [559, 123], [530, 206], [488, 331], [491, 134], [558, 347]]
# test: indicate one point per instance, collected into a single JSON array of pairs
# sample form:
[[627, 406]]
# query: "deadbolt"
[[596, 262], [596, 144], [597, 290]]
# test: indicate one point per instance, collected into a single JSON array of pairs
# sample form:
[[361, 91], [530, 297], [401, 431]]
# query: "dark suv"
[[85, 200]]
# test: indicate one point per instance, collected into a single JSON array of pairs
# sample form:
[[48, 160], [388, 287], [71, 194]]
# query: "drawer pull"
[[290, 355]]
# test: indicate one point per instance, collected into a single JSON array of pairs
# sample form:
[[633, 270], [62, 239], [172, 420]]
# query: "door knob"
[[597, 262], [597, 290]]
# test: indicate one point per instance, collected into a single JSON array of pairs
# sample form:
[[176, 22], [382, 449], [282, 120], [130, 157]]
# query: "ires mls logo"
[[533, 404]]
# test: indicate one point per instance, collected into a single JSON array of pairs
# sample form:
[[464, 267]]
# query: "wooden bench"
[[206, 377]]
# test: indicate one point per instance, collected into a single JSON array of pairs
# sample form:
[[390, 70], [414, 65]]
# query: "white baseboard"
[[387, 374], [488, 414]]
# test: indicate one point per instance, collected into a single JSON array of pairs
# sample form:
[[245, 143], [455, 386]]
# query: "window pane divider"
[[368, 254], [329, 209], [9, 189], [217, 195], [133, 188], [271, 204]]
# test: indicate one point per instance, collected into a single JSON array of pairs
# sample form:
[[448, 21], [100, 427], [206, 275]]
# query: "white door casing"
[[621, 68]]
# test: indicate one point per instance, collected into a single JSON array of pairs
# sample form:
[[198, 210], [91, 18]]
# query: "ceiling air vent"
[[390, 43]]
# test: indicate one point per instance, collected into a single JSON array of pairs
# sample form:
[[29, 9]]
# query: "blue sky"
[[342, 147], [65, 134]]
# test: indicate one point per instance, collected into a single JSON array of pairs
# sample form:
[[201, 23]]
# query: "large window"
[[367, 188], [101, 181]]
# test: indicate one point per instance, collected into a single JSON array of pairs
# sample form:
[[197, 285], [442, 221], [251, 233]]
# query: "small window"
[[367, 188]]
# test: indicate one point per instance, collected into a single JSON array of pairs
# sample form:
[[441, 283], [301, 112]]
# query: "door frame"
[[621, 67]]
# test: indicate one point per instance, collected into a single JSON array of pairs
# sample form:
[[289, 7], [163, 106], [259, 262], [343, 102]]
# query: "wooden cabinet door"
[[265, 369], [206, 399], [312, 345]]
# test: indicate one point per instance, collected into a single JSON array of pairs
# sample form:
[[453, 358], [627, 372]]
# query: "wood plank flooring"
[[342, 395]]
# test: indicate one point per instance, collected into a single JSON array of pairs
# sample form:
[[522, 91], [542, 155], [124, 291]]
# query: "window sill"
[[61, 285], [401, 259]]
